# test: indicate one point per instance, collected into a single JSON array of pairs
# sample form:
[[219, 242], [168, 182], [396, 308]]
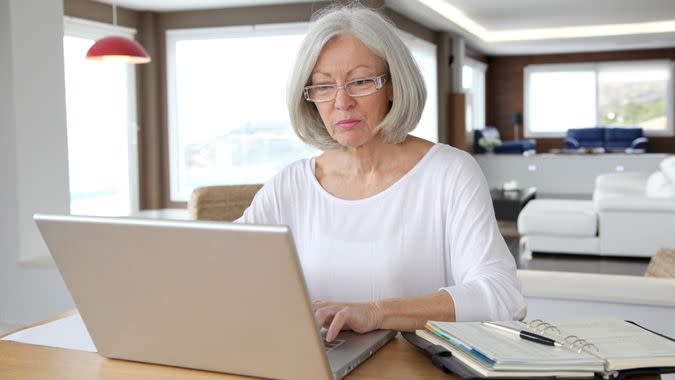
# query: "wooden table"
[[396, 360]]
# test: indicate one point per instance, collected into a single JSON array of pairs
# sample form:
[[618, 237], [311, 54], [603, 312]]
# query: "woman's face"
[[351, 121]]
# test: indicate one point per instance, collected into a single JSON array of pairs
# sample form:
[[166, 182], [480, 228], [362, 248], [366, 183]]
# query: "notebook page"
[[622, 344], [511, 352]]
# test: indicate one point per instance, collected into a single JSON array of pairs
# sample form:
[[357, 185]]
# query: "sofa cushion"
[[618, 139], [627, 183], [658, 186], [514, 147], [667, 167], [558, 217], [635, 203]]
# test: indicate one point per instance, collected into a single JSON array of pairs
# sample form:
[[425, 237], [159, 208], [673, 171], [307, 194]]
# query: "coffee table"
[[508, 203]]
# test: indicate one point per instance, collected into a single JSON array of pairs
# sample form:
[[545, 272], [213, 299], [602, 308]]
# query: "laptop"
[[213, 296]]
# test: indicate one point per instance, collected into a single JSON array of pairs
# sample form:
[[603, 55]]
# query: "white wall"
[[33, 155], [7, 156]]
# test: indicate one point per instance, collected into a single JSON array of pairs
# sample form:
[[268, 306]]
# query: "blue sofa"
[[506, 147], [610, 139]]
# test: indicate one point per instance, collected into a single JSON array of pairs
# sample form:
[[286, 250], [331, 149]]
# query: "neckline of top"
[[309, 166]]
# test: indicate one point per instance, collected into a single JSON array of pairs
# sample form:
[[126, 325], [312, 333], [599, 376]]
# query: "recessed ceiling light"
[[458, 17]]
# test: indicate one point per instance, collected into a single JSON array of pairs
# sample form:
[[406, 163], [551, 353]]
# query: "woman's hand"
[[336, 316], [402, 314]]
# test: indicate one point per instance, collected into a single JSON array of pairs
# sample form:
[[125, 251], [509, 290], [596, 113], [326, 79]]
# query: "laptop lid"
[[206, 295]]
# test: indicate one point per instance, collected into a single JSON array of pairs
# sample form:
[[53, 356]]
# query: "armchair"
[[503, 147], [224, 203]]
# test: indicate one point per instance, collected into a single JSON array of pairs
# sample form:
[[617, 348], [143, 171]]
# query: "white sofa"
[[631, 214]]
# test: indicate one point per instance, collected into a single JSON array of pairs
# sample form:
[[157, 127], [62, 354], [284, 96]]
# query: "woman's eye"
[[320, 87], [361, 82]]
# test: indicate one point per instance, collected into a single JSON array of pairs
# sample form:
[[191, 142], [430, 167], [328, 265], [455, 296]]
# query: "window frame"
[[596, 67]]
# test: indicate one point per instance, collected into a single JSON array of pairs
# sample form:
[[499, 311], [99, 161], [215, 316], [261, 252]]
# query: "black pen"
[[524, 334]]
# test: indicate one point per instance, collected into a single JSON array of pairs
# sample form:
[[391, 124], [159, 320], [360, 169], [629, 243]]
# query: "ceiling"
[[184, 5], [510, 27]]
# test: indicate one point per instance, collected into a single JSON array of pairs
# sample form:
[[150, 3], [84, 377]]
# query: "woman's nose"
[[343, 100]]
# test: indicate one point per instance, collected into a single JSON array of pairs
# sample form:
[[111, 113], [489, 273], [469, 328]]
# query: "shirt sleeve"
[[486, 286], [264, 208]]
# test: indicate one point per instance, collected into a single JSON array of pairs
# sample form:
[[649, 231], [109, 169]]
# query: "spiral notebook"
[[609, 347]]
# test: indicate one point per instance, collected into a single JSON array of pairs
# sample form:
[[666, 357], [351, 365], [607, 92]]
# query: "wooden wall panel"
[[457, 135], [470, 52], [504, 89]]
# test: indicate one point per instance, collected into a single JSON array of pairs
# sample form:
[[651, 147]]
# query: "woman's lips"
[[348, 123]]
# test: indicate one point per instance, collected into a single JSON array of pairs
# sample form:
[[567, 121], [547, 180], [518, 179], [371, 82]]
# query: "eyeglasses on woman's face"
[[358, 87]]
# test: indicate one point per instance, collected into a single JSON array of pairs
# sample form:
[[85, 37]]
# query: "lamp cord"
[[114, 6]]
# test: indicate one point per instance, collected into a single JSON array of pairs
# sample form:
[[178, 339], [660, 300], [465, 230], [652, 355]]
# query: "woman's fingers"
[[339, 320], [360, 317], [324, 315]]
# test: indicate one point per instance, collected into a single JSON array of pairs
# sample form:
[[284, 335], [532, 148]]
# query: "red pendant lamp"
[[117, 48]]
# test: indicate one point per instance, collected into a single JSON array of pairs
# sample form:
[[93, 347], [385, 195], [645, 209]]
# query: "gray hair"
[[380, 36]]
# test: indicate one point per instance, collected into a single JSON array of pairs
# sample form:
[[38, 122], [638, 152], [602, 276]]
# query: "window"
[[636, 93], [473, 83], [101, 124], [228, 121]]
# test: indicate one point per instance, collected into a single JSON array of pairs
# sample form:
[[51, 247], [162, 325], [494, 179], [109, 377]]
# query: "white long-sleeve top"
[[432, 229]]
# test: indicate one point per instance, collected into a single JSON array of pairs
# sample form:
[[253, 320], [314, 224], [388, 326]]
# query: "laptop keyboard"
[[330, 346]]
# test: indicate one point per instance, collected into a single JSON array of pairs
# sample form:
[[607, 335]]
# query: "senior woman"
[[391, 230]]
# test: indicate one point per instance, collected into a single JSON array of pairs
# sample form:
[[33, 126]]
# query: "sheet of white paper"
[[617, 339], [69, 332]]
